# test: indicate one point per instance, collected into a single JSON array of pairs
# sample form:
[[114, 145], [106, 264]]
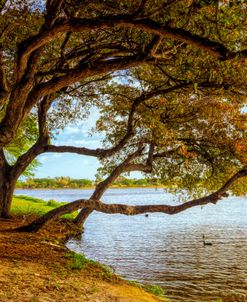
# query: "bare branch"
[[215, 49], [141, 8], [39, 147], [123, 167], [4, 85], [104, 185], [133, 210], [83, 71], [43, 108]]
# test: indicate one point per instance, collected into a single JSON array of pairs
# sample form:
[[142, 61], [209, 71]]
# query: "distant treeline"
[[67, 182]]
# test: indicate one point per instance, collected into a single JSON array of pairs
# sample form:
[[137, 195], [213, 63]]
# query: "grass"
[[79, 262], [27, 205], [154, 289]]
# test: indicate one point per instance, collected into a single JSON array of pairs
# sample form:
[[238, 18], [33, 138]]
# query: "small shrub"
[[53, 203], [79, 262], [135, 283], [155, 290]]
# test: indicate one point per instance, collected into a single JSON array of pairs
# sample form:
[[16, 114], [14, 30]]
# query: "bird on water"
[[204, 242]]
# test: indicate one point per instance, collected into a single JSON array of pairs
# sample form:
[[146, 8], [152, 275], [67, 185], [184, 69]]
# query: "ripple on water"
[[168, 250]]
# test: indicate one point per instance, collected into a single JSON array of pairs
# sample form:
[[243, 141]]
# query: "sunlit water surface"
[[168, 250]]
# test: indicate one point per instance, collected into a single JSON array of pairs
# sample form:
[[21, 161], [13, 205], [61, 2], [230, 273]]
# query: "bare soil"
[[33, 268]]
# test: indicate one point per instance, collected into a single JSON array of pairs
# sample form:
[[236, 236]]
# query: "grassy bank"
[[38, 267], [27, 205]]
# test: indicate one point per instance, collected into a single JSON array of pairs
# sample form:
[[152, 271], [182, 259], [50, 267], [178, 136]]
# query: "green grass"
[[27, 205], [156, 290], [79, 262]]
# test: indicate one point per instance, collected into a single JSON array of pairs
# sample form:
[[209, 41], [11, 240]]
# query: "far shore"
[[93, 187], [39, 266]]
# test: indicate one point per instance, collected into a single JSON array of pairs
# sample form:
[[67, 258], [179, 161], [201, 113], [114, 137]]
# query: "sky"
[[72, 165]]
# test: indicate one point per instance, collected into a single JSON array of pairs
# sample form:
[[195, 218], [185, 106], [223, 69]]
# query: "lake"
[[168, 250]]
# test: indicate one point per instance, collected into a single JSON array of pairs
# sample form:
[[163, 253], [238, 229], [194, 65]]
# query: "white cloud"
[[85, 142], [57, 155], [71, 130], [43, 158]]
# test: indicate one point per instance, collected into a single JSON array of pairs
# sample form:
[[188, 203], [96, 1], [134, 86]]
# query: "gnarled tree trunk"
[[9, 176], [7, 186], [6, 193], [104, 185]]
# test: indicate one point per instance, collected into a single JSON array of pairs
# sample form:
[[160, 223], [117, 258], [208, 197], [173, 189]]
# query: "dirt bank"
[[36, 268]]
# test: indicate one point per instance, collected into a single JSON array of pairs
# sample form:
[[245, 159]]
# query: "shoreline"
[[92, 188], [39, 266]]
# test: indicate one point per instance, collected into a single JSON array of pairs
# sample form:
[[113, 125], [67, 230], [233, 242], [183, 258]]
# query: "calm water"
[[168, 250]]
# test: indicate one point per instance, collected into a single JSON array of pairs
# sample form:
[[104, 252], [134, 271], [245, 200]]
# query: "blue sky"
[[73, 165]]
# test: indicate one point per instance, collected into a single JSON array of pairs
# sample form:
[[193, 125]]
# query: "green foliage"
[[151, 288], [25, 138], [155, 290], [67, 182], [200, 130], [54, 183], [53, 203], [200, 126], [27, 205], [79, 261], [31, 199]]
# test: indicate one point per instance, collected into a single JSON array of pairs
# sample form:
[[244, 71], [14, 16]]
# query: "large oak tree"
[[178, 113]]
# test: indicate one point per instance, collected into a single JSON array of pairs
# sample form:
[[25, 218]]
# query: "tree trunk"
[[104, 185], [82, 216], [7, 186], [85, 212]]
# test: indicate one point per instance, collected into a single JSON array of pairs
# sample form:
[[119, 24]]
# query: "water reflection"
[[168, 250]]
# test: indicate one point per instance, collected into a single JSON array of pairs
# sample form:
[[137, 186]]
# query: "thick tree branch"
[[83, 71], [123, 167], [215, 49], [43, 108], [39, 147], [133, 210], [3, 161], [104, 185], [18, 109], [4, 85]]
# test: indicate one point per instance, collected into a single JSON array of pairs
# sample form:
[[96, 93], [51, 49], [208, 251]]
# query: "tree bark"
[[6, 193], [103, 186], [82, 217], [124, 209], [7, 186]]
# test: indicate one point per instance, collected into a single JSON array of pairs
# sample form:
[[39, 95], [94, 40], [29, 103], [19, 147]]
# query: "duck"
[[204, 242]]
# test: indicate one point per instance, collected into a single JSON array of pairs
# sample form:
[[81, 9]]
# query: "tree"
[[194, 47], [191, 140]]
